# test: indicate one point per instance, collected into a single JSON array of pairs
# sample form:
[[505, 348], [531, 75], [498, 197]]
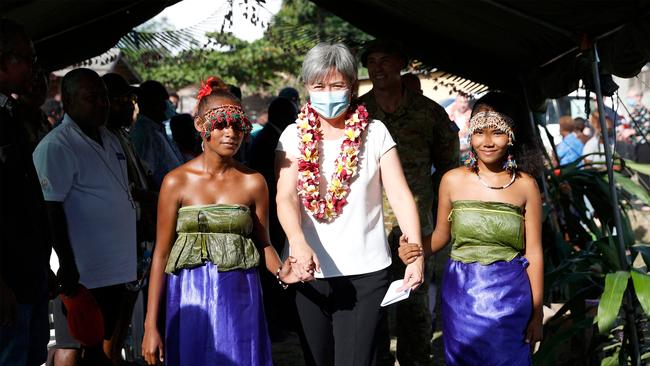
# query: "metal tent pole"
[[535, 130], [627, 306]]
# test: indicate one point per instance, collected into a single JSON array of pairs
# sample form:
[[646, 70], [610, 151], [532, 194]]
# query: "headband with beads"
[[495, 120], [224, 116]]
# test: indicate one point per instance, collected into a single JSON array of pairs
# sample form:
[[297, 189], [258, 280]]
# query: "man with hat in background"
[[426, 141]]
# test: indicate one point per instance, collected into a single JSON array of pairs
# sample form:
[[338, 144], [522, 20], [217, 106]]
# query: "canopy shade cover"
[[509, 43], [500, 43], [69, 31]]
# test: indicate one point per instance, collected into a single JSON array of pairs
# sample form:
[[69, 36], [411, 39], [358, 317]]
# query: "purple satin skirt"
[[215, 318], [485, 313]]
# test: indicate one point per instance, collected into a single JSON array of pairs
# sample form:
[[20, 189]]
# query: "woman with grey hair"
[[333, 164]]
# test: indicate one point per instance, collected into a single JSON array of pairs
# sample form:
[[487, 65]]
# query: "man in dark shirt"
[[261, 157], [25, 243]]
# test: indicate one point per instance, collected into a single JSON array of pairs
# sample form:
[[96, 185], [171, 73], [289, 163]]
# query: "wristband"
[[277, 277]]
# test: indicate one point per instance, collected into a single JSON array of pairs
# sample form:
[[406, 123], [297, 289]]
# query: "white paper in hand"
[[392, 295]]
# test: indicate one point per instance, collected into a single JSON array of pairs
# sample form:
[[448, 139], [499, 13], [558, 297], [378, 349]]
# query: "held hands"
[[409, 252], [414, 273], [306, 261], [152, 346], [288, 272]]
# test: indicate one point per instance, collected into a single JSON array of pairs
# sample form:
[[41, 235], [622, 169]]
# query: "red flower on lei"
[[309, 135]]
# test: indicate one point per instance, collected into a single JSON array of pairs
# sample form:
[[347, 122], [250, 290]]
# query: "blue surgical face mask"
[[631, 102], [330, 104]]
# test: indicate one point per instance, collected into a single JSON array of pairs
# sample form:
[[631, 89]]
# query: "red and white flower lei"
[[309, 135]]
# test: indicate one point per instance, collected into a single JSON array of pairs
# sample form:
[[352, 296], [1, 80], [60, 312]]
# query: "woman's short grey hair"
[[325, 56]]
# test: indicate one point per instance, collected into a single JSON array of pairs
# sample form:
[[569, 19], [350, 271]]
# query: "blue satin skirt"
[[215, 318], [485, 313]]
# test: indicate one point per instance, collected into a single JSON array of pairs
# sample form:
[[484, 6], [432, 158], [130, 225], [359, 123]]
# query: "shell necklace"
[[512, 180]]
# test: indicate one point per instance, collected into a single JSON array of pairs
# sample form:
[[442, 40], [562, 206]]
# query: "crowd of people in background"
[[582, 140], [137, 199]]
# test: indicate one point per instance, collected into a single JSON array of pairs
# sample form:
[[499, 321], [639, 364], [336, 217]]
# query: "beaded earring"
[[510, 164], [471, 161]]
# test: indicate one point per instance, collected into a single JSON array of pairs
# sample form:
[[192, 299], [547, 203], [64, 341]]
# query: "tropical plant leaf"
[[610, 302], [600, 199], [628, 233], [607, 247], [641, 168], [630, 186], [611, 360], [641, 283], [645, 356], [566, 278], [563, 248], [575, 305], [579, 189], [550, 138]]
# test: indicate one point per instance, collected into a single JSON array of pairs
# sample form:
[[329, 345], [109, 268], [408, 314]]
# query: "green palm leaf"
[[610, 302], [633, 188], [641, 168], [611, 360], [641, 283]]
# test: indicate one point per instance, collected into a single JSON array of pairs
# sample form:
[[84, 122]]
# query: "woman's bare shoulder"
[[177, 177], [250, 178], [527, 186], [456, 175], [527, 180]]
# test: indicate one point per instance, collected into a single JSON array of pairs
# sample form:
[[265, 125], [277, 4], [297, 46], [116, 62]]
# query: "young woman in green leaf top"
[[212, 232], [491, 209]]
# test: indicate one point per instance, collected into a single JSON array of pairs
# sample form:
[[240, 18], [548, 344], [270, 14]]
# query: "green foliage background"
[[262, 66]]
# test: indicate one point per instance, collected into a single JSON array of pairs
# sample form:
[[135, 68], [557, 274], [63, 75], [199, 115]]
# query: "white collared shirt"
[[91, 181]]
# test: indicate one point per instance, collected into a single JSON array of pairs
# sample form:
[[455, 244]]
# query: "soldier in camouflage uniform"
[[425, 138]]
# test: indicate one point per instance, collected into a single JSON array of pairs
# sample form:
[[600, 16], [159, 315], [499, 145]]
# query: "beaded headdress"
[[224, 116], [495, 120]]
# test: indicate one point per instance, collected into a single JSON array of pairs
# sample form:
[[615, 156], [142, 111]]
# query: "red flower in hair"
[[212, 84]]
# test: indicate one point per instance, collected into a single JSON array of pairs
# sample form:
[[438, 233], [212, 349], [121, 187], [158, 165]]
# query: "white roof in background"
[[101, 64]]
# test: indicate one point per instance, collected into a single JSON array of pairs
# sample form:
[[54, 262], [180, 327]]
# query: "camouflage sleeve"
[[446, 146], [445, 151]]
